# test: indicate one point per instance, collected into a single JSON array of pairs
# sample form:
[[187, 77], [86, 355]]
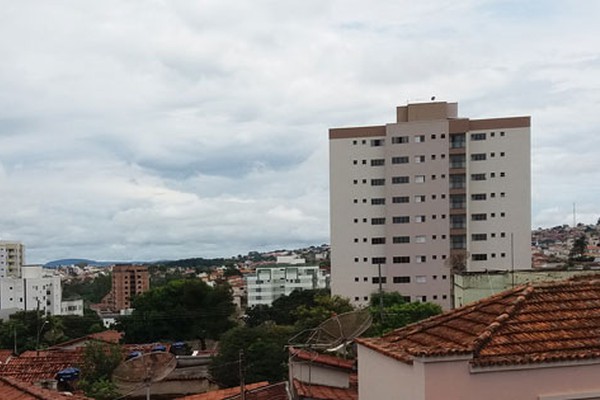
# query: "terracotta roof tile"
[[31, 368], [11, 389], [540, 322], [320, 358], [321, 392], [223, 393]]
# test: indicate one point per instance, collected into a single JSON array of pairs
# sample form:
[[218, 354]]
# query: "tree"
[[99, 362], [579, 247], [323, 308], [91, 291], [180, 310], [397, 312], [265, 355]]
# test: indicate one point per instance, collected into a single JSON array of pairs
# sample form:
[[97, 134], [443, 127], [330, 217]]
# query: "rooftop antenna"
[[574, 216], [146, 368]]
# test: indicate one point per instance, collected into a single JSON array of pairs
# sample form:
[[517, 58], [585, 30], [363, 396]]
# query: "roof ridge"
[[485, 336], [441, 318]]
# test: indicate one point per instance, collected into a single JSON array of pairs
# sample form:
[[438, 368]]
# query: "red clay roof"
[[11, 389], [321, 392], [223, 393], [5, 355], [324, 359], [536, 323], [31, 368], [109, 336]]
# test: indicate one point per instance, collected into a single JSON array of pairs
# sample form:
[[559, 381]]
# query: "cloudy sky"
[[143, 130]]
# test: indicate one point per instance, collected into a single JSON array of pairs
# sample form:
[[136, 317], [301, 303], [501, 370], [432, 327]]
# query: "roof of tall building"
[[534, 323], [11, 389]]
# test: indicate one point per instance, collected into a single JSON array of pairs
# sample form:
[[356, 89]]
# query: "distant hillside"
[[83, 261]]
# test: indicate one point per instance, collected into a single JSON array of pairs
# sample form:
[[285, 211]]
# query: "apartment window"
[[419, 138], [377, 260], [503, 214], [401, 279], [399, 139], [364, 181], [377, 182], [478, 196], [502, 133], [355, 240], [419, 178], [419, 159], [401, 239], [355, 201], [479, 257], [355, 181], [419, 219], [400, 199], [421, 259], [377, 142], [479, 217], [401, 260], [502, 194], [479, 236], [502, 174], [355, 162], [433, 157], [478, 136], [379, 201], [419, 198], [502, 154], [377, 221], [377, 162], [403, 219], [478, 157], [492, 175], [433, 137], [478, 177], [375, 279], [355, 142], [493, 215], [420, 239], [400, 160], [420, 279], [400, 179], [378, 240]]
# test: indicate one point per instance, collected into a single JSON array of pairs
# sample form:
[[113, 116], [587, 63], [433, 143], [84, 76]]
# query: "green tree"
[[91, 291], [579, 247], [29, 326], [324, 307], [265, 355], [397, 312], [99, 362], [180, 310]]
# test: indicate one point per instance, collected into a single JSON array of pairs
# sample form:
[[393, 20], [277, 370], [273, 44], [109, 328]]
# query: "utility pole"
[[380, 293], [241, 362]]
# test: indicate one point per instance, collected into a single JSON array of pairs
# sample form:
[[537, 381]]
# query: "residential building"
[[35, 289], [128, 281], [267, 284], [533, 342], [415, 199], [12, 256]]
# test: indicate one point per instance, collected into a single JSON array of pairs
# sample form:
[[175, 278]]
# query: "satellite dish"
[[335, 333], [143, 369]]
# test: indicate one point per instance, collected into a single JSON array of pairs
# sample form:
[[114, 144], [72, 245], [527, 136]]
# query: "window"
[[355, 142], [400, 179], [479, 257], [355, 181], [478, 177], [478, 196], [378, 260], [420, 279], [378, 201], [503, 214], [502, 154], [378, 240], [377, 221], [377, 142], [419, 198], [399, 139], [502, 133], [404, 219], [419, 219], [419, 159], [400, 199], [478, 157], [479, 217], [364, 162], [401, 239], [377, 182], [377, 162], [479, 236], [433, 137], [375, 279], [421, 259], [478, 136], [419, 138], [401, 279], [355, 162], [400, 160], [492, 175], [502, 174], [419, 178], [420, 239], [401, 260]]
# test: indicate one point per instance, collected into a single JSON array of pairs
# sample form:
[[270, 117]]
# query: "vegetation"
[[99, 362], [91, 291], [397, 312], [579, 247], [180, 310]]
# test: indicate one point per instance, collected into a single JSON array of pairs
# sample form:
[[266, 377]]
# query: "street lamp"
[[37, 340]]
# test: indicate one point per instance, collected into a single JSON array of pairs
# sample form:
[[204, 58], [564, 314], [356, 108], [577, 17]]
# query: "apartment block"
[[12, 256], [127, 282], [432, 193]]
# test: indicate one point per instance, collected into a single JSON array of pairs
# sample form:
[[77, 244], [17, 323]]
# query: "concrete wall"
[[317, 374]]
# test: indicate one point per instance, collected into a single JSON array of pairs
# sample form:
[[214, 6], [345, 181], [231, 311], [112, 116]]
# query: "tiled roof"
[[223, 393], [542, 322], [109, 336], [276, 391], [324, 359], [5, 355], [31, 368], [321, 392], [11, 389]]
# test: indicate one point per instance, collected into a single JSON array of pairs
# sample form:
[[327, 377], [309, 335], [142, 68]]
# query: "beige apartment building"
[[12, 257], [426, 194]]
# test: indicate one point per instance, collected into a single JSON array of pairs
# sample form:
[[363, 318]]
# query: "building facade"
[[12, 256], [426, 195], [36, 289], [268, 284], [128, 281]]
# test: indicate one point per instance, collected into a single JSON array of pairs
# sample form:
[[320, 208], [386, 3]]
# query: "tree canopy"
[[397, 312], [99, 362], [179, 310]]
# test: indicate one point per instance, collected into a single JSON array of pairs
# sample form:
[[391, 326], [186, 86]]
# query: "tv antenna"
[[145, 368], [336, 332]]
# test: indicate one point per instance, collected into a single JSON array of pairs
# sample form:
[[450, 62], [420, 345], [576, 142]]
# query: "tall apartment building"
[[127, 281], [426, 193], [12, 256]]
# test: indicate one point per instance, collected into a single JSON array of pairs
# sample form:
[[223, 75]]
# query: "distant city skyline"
[[144, 131]]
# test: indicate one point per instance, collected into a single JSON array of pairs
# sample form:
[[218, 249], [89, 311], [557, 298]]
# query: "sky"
[[148, 130]]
